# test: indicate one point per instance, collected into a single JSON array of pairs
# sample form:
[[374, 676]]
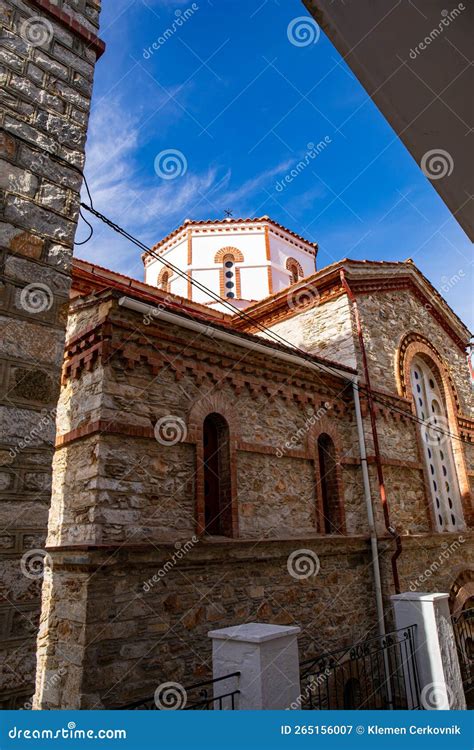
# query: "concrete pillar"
[[266, 657], [435, 648]]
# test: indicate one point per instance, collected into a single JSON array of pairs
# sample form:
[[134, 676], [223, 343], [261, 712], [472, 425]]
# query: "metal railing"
[[378, 673], [192, 697], [463, 626]]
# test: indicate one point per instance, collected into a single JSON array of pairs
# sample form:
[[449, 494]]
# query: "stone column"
[[435, 648], [266, 657], [49, 51]]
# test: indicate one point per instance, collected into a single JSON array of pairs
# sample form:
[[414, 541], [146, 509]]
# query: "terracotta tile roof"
[[209, 222], [348, 264], [99, 279], [86, 274]]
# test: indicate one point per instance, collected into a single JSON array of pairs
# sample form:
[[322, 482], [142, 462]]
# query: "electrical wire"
[[234, 311], [276, 337]]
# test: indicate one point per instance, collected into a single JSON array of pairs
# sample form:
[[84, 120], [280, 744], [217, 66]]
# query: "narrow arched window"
[[329, 485], [437, 446], [294, 269], [217, 476], [229, 276], [294, 273], [164, 280]]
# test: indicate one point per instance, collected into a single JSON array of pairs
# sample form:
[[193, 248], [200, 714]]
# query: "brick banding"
[[93, 41]]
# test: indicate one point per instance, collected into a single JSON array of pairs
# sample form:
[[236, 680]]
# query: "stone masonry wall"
[[386, 319], [324, 329], [135, 587], [112, 487], [47, 57]]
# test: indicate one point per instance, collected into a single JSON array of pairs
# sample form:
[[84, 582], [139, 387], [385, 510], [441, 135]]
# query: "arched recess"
[[461, 595], [415, 347], [295, 269], [229, 274], [325, 446], [222, 427], [217, 476], [164, 279]]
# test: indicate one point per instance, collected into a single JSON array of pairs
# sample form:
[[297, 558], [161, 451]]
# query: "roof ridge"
[[187, 223]]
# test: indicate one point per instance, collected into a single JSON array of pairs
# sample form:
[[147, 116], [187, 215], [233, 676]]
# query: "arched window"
[[217, 476], [164, 279], [295, 269], [227, 257], [329, 484], [229, 276], [437, 448]]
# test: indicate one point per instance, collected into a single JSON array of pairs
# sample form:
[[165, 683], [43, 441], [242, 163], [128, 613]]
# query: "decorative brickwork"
[[412, 345], [125, 493], [295, 269], [233, 251]]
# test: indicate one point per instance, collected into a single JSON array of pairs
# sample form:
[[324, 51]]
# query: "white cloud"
[[145, 205]]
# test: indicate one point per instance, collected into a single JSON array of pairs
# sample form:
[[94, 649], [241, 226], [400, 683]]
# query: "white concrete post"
[[435, 648], [266, 657]]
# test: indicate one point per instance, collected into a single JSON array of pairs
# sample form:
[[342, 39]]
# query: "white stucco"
[[266, 657], [194, 247], [435, 648]]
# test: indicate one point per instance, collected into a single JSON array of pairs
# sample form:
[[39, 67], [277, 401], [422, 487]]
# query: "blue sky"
[[232, 93]]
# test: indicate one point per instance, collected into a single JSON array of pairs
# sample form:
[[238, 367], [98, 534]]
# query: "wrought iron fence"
[[463, 626], [202, 696], [379, 673]]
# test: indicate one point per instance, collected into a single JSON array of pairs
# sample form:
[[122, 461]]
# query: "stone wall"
[[148, 617], [135, 585], [48, 52], [323, 329], [387, 317]]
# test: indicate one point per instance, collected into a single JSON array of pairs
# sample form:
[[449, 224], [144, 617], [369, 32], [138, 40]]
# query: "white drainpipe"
[[231, 338]]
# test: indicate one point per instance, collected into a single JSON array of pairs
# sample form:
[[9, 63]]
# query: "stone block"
[[17, 180], [27, 214], [27, 245]]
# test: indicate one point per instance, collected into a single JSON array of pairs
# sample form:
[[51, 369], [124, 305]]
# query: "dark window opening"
[[329, 486], [164, 281], [217, 476], [293, 269], [352, 694]]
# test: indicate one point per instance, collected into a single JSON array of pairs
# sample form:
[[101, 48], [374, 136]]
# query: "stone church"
[[245, 437], [291, 447]]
